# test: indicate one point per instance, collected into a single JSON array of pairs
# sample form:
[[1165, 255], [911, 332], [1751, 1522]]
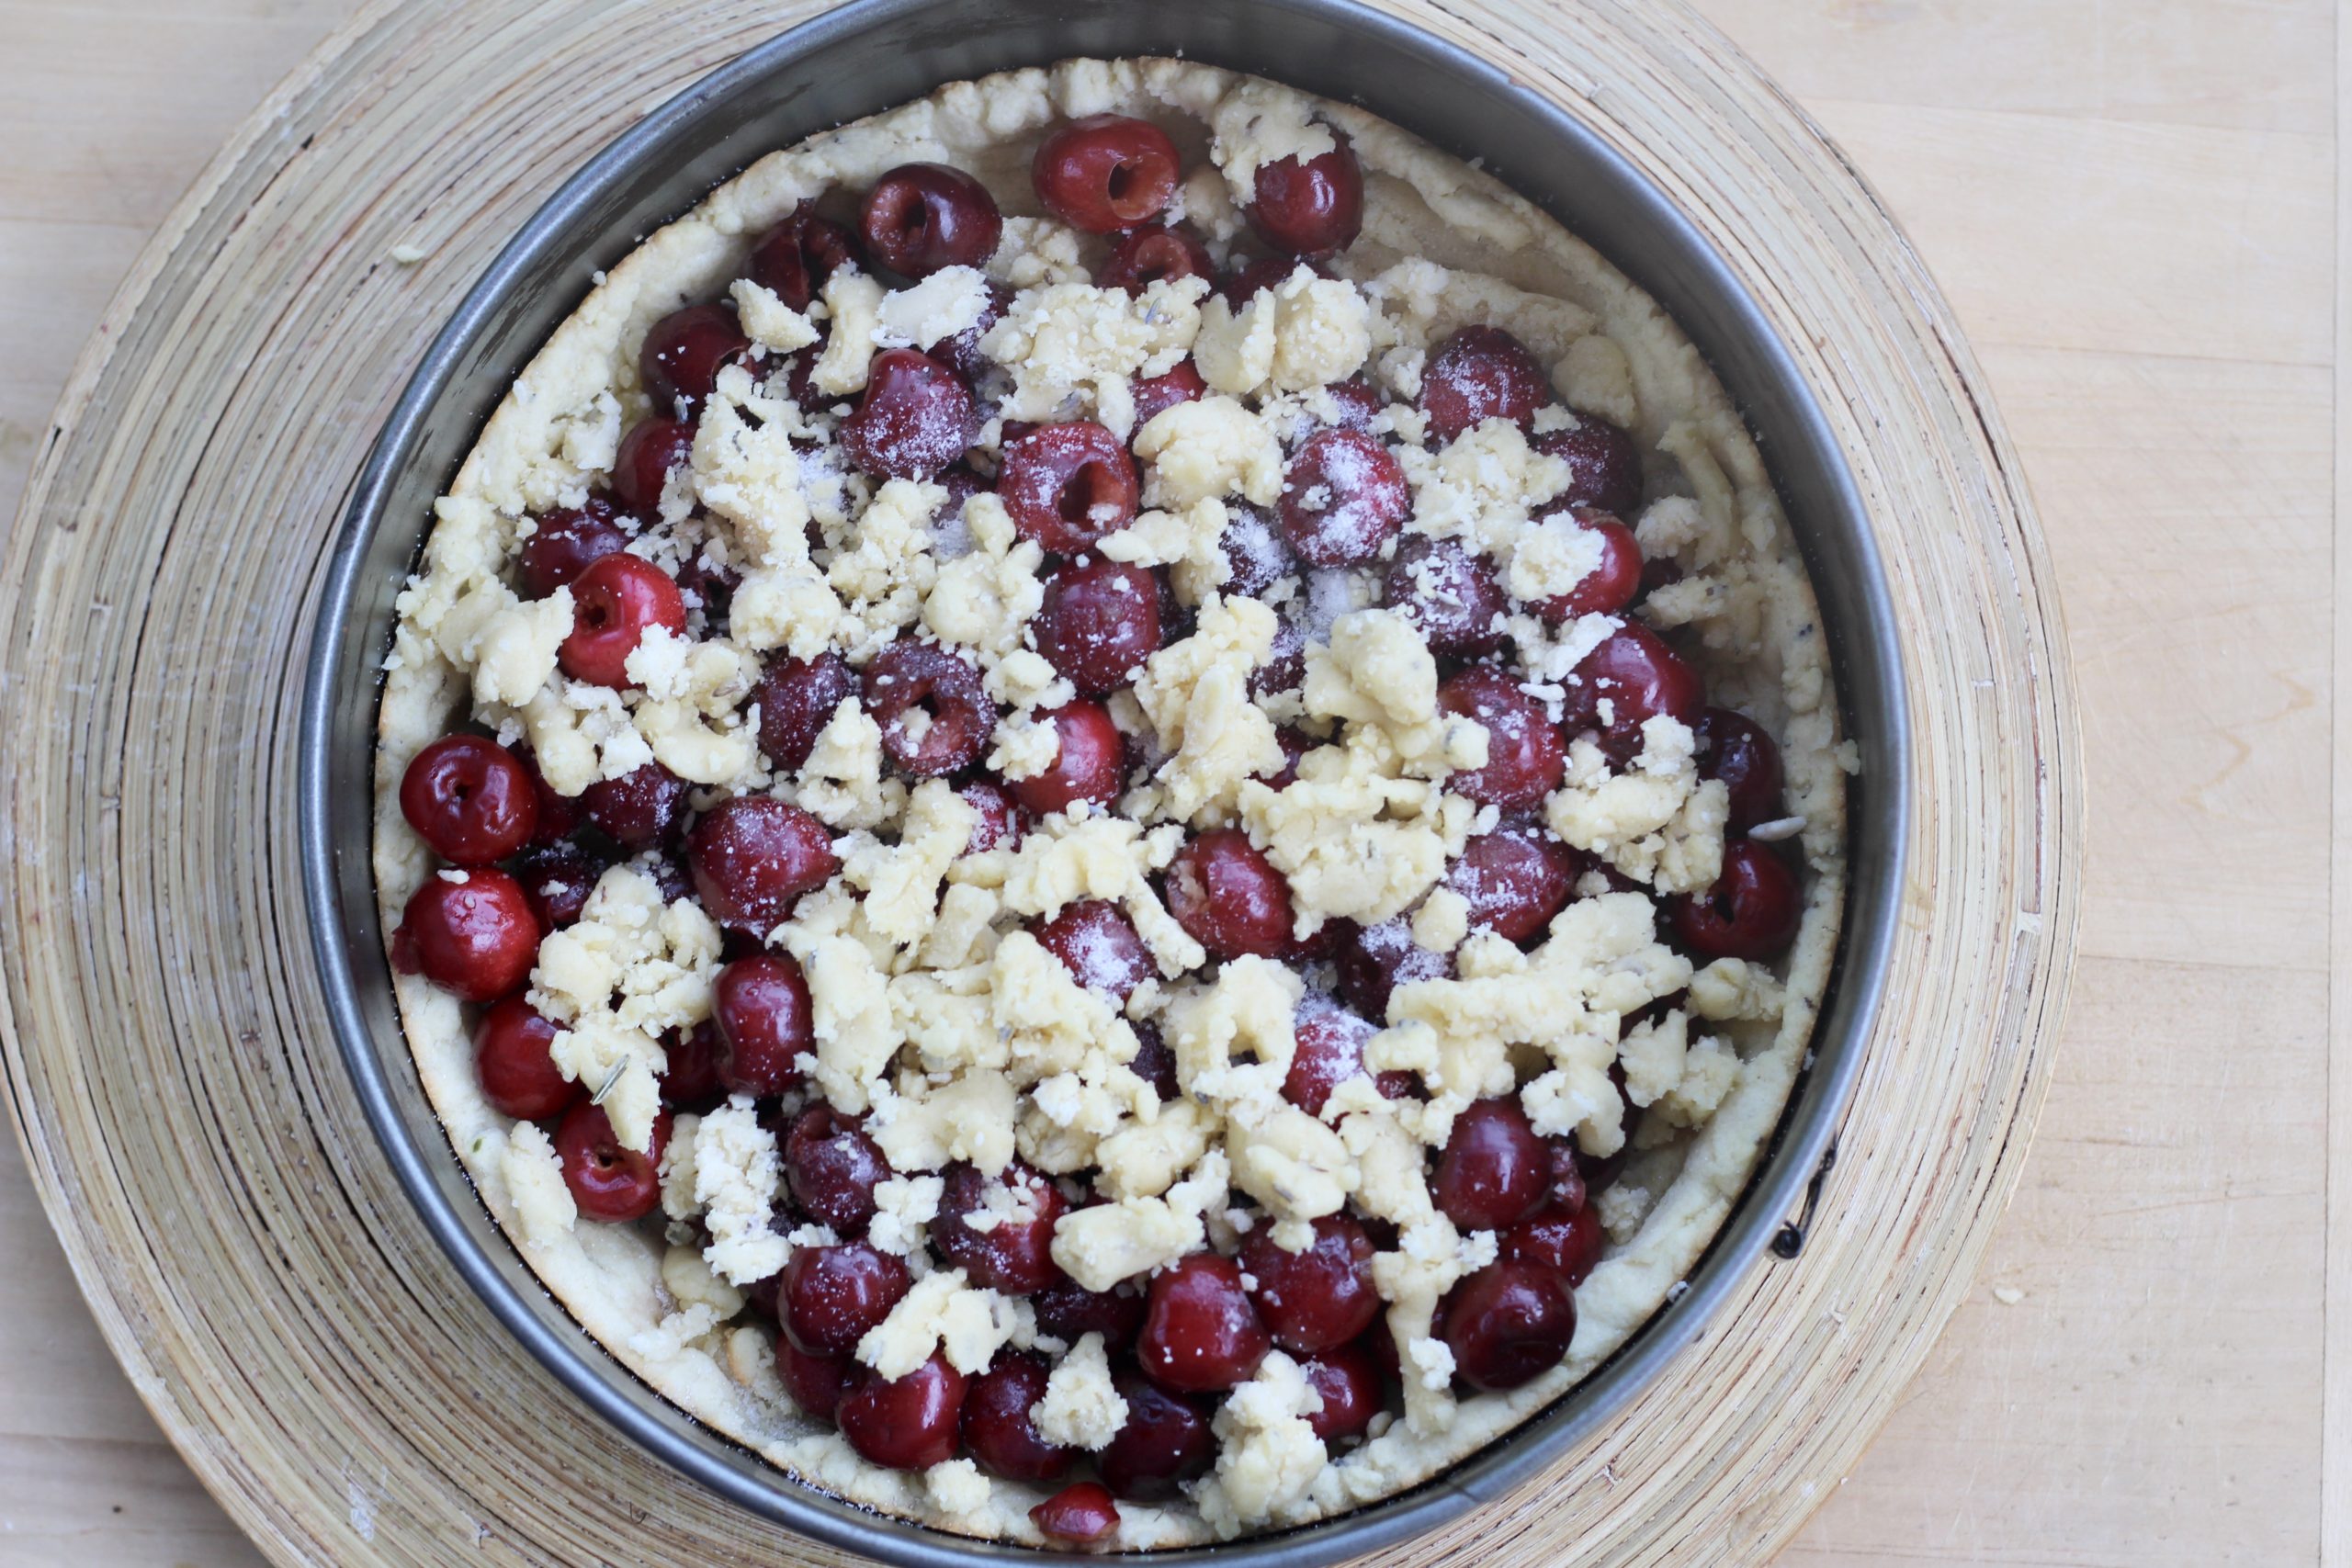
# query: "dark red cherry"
[[1254, 279], [1567, 1189], [1375, 960], [1515, 880], [690, 1079], [518, 1078], [834, 1169], [1329, 1051], [1565, 1241], [1067, 485], [1658, 571], [1105, 173], [558, 879], [1000, 824], [754, 857], [794, 259], [996, 1427], [614, 603], [815, 1382], [767, 1022], [1014, 1254], [1604, 466], [1295, 746], [1735, 749], [1080, 1514], [560, 814], [469, 800], [1316, 1300], [642, 808], [1356, 403], [683, 352], [1155, 395], [1200, 1332], [1256, 555], [1286, 666], [1098, 944], [1343, 499], [935, 716], [568, 541], [476, 937], [1166, 1441], [609, 1182], [798, 698], [1153, 254], [1069, 1312], [1224, 890], [1087, 767], [833, 1296], [1349, 1380], [1524, 757], [1309, 207], [962, 352], [1494, 1170], [1155, 1063], [1751, 912], [919, 217], [649, 454], [1640, 678], [1609, 587], [1508, 1325], [1099, 622], [906, 1423], [1449, 594], [914, 418], [1479, 374]]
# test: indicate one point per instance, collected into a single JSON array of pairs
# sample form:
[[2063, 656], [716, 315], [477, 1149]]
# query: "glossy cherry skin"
[[1087, 767], [833, 1168], [1079, 1513], [1153, 254], [1604, 466], [833, 1295], [998, 827], [1735, 749], [767, 1021], [1515, 880], [996, 1427], [908, 1423], [1224, 890], [919, 217], [683, 352], [1375, 960], [1343, 499], [1640, 677], [1105, 173], [1494, 1170], [1508, 1325], [469, 800], [914, 418], [910, 678], [558, 879], [1316, 1300], [1069, 1312], [1166, 1441], [566, 542], [1751, 912], [1201, 1335], [754, 857], [1015, 1255], [1349, 1380], [642, 808], [1609, 586], [1099, 622], [1098, 944], [1328, 1052], [614, 603], [476, 939], [609, 1182], [649, 454], [1481, 373], [1310, 207], [1449, 594], [1067, 485], [798, 698], [1565, 1241], [690, 1079], [815, 1382], [794, 259], [1524, 757], [518, 1078], [1155, 395]]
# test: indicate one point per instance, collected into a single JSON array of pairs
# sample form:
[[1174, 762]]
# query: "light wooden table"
[[2137, 208]]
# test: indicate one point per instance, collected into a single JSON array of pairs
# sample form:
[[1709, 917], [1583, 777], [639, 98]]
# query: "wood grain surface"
[[2134, 214]]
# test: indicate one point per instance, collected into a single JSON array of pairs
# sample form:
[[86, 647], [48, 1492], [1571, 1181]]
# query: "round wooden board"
[[186, 1114]]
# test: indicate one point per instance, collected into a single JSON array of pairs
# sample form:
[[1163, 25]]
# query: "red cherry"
[[609, 1182], [962, 352], [1343, 499], [690, 1079], [766, 1018], [1067, 485], [1609, 587], [833, 1295], [906, 1423], [1069, 1312], [643, 807], [685, 350], [1256, 555], [1087, 767], [1000, 824], [1320, 1299], [1735, 749], [815, 1382], [1604, 466], [914, 419], [1329, 1052], [1751, 912], [1567, 1190], [1151, 255], [1155, 1063], [1257, 277], [1356, 403], [469, 800], [614, 603], [910, 678], [1515, 881], [1508, 1325], [1014, 1255], [518, 1078], [798, 698], [1081, 1514], [1105, 173], [1200, 1332], [566, 542], [561, 816], [1166, 1441], [649, 454], [1294, 746], [1640, 678], [1099, 622], [1286, 666], [1565, 1241], [558, 879], [1224, 890], [1310, 208], [1495, 1170], [1449, 594], [1349, 1380], [1479, 374], [754, 857], [833, 1168], [996, 1427], [1155, 395], [1375, 960], [919, 217], [1098, 944], [1524, 757], [794, 259], [476, 937], [1658, 571]]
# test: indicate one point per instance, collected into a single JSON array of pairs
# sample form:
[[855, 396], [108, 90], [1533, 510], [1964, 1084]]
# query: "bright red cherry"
[[1343, 499], [643, 807], [1200, 1332], [1751, 912], [996, 1427], [1098, 944], [935, 716], [566, 542], [919, 217], [1524, 757], [1105, 173], [1311, 206], [518, 1076], [755, 856], [798, 698], [914, 418], [1604, 466], [609, 1182], [1565, 1241], [1153, 254], [1495, 1170], [1515, 880], [1449, 594], [685, 350], [1166, 1441], [476, 937], [833, 1296], [1611, 585], [469, 800], [614, 603], [767, 1021], [1080, 1514], [1508, 1325], [1735, 749], [1320, 1299], [1067, 485], [1013, 1255], [1640, 678], [651, 451], [1349, 1380], [1224, 890], [1087, 767], [906, 1423], [1155, 395], [1099, 622], [794, 259]]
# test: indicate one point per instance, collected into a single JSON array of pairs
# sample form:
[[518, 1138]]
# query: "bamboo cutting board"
[[188, 1125]]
